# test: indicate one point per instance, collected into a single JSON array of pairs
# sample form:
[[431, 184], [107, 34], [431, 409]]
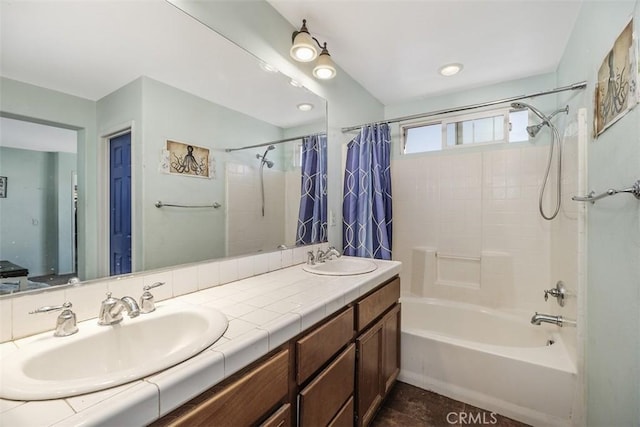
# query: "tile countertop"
[[264, 312]]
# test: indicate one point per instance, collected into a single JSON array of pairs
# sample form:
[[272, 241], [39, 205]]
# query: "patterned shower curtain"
[[366, 207], [312, 217]]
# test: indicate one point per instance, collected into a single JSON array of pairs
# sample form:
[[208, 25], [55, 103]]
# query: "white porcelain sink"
[[343, 266], [100, 357]]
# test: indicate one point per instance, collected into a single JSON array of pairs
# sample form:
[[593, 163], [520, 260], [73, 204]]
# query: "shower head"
[[521, 105], [269, 163], [534, 129]]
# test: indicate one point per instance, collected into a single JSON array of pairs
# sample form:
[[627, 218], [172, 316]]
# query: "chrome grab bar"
[[160, 204], [592, 197]]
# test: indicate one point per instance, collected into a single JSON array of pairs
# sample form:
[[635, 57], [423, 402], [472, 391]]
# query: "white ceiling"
[[91, 48], [394, 48], [33, 136]]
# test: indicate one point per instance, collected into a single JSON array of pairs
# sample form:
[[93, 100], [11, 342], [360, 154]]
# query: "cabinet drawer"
[[377, 303], [281, 418], [245, 401], [316, 348], [345, 416], [323, 398]]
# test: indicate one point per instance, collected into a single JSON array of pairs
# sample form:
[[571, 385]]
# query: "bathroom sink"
[[343, 266], [100, 357]]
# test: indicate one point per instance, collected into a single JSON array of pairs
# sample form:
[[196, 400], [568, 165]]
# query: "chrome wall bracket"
[[592, 197]]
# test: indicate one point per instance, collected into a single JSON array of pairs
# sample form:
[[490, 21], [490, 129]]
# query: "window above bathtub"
[[487, 127]]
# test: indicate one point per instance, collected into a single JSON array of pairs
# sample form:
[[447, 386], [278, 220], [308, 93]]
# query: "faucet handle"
[[147, 302], [559, 292], [66, 321], [311, 259], [49, 308]]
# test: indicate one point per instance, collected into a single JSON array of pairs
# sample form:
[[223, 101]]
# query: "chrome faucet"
[[66, 322], [111, 309], [327, 255], [539, 318]]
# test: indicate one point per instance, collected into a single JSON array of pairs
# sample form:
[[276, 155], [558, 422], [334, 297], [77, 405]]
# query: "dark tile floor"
[[409, 406]]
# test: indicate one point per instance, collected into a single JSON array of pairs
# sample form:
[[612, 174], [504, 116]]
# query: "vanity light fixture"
[[305, 106], [450, 69], [304, 50]]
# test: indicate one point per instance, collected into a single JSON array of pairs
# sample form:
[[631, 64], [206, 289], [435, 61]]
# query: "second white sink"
[[343, 266], [100, 357]]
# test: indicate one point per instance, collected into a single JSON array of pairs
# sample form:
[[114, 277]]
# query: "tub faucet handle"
[[559, 293]]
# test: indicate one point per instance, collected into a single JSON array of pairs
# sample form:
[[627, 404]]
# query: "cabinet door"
[[391, 348], [369, 374]]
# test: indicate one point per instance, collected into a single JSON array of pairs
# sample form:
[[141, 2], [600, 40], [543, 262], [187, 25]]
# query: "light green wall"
[[36, 215], [170, 236], [23, 101], [260, 29], [612, 345]]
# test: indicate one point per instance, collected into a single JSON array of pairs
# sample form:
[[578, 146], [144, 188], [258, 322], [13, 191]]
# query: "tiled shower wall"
[[247, 230], [470, 202]]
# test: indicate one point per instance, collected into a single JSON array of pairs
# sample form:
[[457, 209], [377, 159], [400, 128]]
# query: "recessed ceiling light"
[[295, 83], [305, 106], [450, 69], [268, 68]]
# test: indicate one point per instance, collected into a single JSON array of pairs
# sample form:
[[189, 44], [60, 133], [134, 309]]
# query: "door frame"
[[104, 202]]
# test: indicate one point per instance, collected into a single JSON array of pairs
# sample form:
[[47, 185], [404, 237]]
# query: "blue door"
[[120, 204]]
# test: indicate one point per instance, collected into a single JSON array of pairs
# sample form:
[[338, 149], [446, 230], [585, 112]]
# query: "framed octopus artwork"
[[617, 85], [186, 159]]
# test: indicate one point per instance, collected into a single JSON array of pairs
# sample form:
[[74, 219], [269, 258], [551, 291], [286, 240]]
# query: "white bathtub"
[[487, 358]]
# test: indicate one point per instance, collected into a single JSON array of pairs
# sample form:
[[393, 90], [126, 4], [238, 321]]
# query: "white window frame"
[[444, 121]]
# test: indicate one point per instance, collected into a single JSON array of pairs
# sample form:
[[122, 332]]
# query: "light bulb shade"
[[325, 68], [303, 49]]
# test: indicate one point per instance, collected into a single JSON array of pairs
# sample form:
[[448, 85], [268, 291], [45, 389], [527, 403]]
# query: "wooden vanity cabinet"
[[334, 374], [378, 349]]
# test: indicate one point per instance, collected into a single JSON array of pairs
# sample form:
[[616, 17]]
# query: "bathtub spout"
[[538, 319]]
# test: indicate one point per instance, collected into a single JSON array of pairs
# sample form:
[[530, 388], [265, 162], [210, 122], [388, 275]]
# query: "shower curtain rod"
[[264, 144], [575, 86]]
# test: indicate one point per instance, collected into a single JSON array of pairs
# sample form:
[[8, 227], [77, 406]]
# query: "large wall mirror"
[[108, 108]]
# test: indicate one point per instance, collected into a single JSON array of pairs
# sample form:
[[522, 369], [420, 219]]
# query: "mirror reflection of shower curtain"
[[366, 207], [312, 217]]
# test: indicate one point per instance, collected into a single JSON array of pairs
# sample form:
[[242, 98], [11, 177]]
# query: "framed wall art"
[[186, 159], [3, 187], [617, 85]]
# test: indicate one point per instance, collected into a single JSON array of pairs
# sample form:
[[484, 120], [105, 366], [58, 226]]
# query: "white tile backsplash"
[[185, 280], [16, 322]]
